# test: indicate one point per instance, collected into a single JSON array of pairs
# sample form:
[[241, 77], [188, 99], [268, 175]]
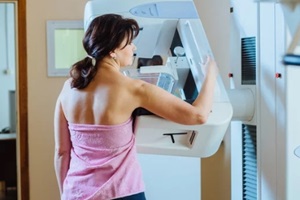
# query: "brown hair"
[[104, 34]]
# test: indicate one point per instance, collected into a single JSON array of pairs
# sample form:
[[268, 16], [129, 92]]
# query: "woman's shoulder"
[[65, 88], [67, 83], [134, 85]]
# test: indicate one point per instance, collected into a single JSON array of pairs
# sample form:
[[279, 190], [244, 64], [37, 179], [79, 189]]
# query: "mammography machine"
[[269, 107], [173, 30]]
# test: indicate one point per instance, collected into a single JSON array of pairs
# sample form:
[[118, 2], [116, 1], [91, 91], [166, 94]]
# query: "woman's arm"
[[172, 108], [204, 100], [62, 145]]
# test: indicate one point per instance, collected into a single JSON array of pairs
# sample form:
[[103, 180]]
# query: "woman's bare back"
[[107, 100]]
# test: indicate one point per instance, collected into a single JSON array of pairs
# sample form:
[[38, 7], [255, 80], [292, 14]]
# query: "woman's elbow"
[[196, 119], [201, 118]]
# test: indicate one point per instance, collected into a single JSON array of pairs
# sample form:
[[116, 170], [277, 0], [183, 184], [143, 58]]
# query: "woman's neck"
[[109, 63]]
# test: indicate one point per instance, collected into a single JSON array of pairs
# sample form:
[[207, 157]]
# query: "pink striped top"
[[103, 163]]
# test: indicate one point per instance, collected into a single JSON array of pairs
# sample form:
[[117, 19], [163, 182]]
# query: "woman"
[[95, 155]]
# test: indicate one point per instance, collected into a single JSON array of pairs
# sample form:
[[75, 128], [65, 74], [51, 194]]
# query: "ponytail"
[[83, 72]]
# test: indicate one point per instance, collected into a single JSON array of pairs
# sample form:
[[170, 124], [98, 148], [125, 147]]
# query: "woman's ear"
[[113, 54]]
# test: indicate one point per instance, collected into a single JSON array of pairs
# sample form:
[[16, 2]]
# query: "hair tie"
[[93, 59]]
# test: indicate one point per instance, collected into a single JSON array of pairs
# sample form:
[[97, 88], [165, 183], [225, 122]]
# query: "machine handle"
[[291, 59]]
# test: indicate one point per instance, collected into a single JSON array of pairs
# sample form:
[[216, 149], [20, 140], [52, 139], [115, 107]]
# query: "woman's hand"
[[211, 67]]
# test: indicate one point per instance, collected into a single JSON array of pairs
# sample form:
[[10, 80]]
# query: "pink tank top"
[[103, 163]]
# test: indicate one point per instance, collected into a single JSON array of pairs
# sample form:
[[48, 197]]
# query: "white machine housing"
[[159, 21]]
